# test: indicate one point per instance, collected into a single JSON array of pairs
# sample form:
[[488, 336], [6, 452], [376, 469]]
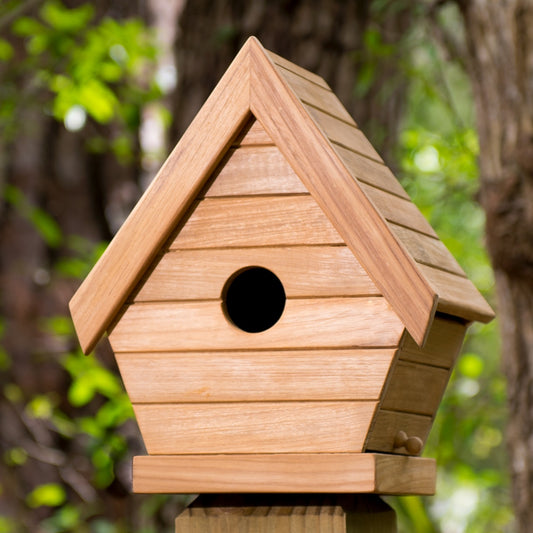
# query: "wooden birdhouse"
[[283, 316]]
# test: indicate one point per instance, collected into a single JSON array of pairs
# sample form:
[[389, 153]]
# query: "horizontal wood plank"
[[316, 323], [304, 271], [399, 210], [253, 170], [252, 133], [371, 172], [255, 376], [344, 134], [415, 388], [405, 475], [304, 73], [316, 95], [254, 427], [256, 221], [387, 424], [284, 473], [458, 296], [442, 347], [427, 250]]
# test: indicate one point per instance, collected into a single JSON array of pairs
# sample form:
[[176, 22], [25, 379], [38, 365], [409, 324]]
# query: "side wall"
[[416, 385]]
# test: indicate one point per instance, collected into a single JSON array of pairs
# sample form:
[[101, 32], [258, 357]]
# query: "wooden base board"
[[285, 473]]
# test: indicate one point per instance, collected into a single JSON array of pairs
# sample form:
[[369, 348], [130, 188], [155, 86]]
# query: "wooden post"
[[287, 513]]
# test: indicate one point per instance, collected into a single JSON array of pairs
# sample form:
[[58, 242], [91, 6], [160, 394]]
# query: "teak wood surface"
[[305, 323], [330, 156], [255, 427], [305, 271], [284, 473], [253, 376]]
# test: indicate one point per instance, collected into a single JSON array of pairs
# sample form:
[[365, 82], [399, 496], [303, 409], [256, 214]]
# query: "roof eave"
[[106, 288], [362, 227]]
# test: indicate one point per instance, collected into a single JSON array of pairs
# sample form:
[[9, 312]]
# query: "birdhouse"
[[283, 316]]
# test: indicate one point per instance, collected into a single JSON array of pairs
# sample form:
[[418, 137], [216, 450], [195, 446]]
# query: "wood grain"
[[427, 250], [369, 171], [386, 425], [402, 476], [362, 228], [346, 135], [399, 210], [316, 95], [305, 271], [237, 514], [292, 67], [252, 133], [326, 322], [107, 286], [254, 427], [415, 388], [256, 221], [284, 473], [253, 170], [452, 295], [442, 347], [255, 376]]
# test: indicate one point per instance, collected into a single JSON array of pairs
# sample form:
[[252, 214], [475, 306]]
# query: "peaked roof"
[[337, 164]]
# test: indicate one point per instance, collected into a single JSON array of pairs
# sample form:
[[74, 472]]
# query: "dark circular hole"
[[254, 299]]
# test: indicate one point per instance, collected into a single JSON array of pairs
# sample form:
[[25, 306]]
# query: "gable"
[[254, 211], [335, 163]]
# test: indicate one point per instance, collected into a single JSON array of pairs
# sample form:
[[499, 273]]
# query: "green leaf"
[[6, 524], [66, 518], [115, 413], [66, 20], [6, 50], [40, 406], [91, 427], [16, 456], [27, 27], [13, 393], [49, 495], [365, 78], [471, 365], [47, 227], [81, 392], [91, 381], [98, 100], [59, 325], [72, 267]]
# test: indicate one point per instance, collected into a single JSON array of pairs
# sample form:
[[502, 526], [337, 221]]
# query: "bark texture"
[[328, 37], [499, 37]]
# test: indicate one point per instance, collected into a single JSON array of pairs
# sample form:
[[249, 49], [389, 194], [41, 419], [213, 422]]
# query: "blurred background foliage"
[[100, 79]]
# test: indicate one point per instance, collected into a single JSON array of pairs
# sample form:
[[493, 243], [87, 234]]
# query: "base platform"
[[285, 473]]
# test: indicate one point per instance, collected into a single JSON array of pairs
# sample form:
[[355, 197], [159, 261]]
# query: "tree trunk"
[[499, 38], [329, 38]]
